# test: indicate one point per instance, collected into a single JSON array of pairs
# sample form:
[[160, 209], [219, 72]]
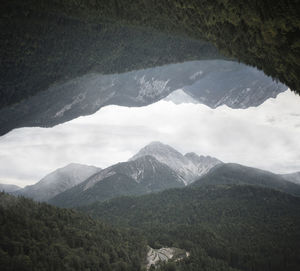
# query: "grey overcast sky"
[[266, 137]]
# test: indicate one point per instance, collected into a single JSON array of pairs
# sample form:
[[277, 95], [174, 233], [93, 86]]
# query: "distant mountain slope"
[[143, 175], [211, 82], [9, 188], [238, 174], [37, 236], [235, 226], [189, 166], [234, 85], [292, 177], [58, 181]]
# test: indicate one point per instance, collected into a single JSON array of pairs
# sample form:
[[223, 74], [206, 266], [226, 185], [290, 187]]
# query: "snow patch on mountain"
[[195, 75], [189, 166], [151, 89], [78, 99]]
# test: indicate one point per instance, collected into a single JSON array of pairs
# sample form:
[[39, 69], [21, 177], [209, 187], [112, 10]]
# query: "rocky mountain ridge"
[[140, 176], [211, 82], [190, 166]]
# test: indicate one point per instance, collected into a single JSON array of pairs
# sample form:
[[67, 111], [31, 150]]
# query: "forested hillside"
[[37, 236], [241, 227], [229, 228], [231, 173], [53, 40]]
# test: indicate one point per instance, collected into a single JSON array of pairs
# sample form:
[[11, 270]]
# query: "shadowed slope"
[[49, 41], [242, 175]]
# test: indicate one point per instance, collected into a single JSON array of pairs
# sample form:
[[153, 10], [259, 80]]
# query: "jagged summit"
[[159, 150], [190, 166], [191, 155], [136, 177], [201, 158]]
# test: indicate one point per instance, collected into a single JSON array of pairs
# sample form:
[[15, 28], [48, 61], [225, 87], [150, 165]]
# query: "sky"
[[265, 137]]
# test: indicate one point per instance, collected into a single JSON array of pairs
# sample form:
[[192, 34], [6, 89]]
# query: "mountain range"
[[221, 218], [140, 176], [156, 167], [211, 82]]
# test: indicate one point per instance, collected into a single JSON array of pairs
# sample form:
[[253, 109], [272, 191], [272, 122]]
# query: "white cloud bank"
[[266, 137]]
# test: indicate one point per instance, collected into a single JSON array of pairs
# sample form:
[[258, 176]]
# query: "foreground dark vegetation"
[[37, 236], [241, 227], [224, 227], [48, 41]]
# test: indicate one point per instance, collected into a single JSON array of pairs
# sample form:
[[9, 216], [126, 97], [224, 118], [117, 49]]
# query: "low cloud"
[[266, 137]]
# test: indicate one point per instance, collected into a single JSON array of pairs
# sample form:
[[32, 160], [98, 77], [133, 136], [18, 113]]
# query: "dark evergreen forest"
[[225, 227], [37, 236], [44, 42]]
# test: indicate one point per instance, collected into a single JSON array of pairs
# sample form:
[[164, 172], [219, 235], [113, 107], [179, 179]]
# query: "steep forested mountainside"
[[212, 82], [242, 227], [37, 236], [49, 41], [58, 181], [141, 176], [238, 174]]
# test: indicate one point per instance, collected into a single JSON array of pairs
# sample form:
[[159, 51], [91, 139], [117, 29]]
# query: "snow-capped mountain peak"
[[163, 153], [189, 166]]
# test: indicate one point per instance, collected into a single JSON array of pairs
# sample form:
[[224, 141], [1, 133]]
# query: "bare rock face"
[[156, 167], [164, 254], [189, 166]]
